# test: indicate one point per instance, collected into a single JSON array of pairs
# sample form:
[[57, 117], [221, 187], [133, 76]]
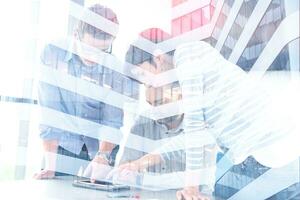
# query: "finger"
[[200, 197], [125, 173], [186, 195], [205, 198], [44, 174], [37, 176], [122, 167], [94, 174], [128, 177], [112, 173], [194, 197], [88, 171], [122, 174], [179, 195]]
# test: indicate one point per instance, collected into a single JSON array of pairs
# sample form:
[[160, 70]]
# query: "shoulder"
[[190, 47], [51, 53], [194, 50], [193, 45]]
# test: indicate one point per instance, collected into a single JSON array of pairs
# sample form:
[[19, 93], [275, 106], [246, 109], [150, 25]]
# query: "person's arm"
[[48, 97], [50, 149], [104, 151], [134, 167], [103, 155], [190, 67], [143, 163], [106, 146], [149, 160], [99, 167]]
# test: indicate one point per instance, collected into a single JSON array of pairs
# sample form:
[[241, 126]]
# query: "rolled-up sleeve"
[[49, 133], [111, 116]]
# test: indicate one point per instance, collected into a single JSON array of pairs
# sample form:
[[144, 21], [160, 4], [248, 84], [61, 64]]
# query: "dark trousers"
[[83, 155]]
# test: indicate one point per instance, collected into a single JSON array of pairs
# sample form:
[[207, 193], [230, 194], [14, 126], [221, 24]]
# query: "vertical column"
[[22, 149], [293, 47]]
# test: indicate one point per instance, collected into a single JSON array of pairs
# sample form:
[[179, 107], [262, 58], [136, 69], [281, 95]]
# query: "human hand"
[[44, 174], [190, 193], [97, 169], [126, 172]]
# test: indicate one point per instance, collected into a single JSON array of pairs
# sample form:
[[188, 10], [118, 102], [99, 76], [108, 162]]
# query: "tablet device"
[[100, 185]]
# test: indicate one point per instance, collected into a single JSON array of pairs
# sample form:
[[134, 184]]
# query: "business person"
[[133, 162], [224, 105], [75, 62]]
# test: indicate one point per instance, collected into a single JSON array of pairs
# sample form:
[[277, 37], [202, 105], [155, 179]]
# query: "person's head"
[[93, 36], [156, 63]]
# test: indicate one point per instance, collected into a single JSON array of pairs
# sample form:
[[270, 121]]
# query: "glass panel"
[[186, 23], [206, 15], [237, 27], [269, 23], [221, 19], [141, 111], [176, 27], [196, 18]]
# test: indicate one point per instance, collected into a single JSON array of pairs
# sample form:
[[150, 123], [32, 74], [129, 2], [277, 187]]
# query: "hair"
[[135, 55], [105, 12]]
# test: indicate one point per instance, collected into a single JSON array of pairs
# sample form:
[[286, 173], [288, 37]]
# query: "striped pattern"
[[220, 100], [236, 180]]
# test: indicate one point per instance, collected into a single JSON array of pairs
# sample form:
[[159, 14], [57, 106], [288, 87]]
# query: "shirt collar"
[[69, 55], [175, 130]]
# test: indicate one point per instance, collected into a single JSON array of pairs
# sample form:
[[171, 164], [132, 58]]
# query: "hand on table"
[[97, 169], [125, 173], [44, 174], [190, 193]]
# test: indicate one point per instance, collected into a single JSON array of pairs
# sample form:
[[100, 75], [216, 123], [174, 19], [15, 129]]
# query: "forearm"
[[148, 160], [50, 151], [106, 146], [50, 146]]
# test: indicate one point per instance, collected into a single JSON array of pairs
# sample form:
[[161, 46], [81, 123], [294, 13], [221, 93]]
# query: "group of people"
[[219, 112]]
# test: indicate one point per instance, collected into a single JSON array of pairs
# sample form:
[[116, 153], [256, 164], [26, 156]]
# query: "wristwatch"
[[106, 156]]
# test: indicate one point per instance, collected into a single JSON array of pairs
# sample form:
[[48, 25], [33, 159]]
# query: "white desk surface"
[[61, 188]]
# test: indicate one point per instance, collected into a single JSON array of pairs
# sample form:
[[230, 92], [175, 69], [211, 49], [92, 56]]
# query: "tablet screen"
[[100, 185]]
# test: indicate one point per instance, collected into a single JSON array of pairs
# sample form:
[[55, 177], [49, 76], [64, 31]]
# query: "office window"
[[76, 89], [221, 19], [186, 23], [176, 27], [263, 32], [206, 15], [238, 26], [196, 18]]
